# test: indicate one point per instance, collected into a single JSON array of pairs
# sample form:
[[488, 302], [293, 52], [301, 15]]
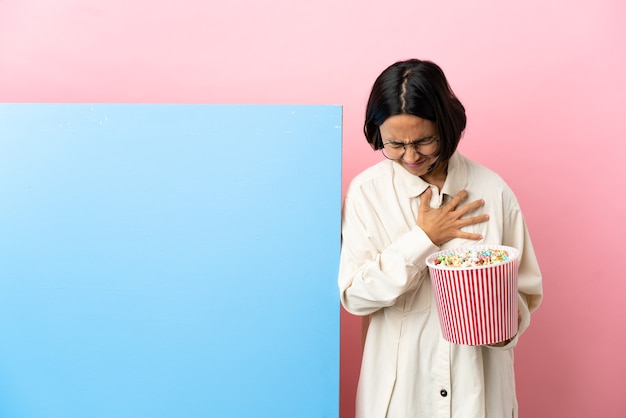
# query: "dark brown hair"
[[418, 88]]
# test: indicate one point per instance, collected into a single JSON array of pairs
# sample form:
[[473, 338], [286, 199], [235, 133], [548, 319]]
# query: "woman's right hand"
[[445, 223]]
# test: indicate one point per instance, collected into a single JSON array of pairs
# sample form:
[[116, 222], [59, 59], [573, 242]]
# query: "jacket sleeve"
[[530, 289], [371, 277]]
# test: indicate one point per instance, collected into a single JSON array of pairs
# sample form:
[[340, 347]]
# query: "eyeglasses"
[[396, 150]]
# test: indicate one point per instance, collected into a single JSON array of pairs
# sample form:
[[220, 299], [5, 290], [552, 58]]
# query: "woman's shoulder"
[[486, 181], [381, 171], [482, 173]]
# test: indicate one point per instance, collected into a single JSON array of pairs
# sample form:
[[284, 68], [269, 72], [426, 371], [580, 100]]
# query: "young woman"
[[422, 198]]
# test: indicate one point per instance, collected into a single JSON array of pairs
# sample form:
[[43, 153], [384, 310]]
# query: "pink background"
[[543, 83]]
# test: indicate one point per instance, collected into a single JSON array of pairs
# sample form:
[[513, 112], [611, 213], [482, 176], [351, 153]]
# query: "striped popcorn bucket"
[[476, 305]]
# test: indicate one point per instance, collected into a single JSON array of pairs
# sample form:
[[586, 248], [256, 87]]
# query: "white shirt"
[[408, 369]]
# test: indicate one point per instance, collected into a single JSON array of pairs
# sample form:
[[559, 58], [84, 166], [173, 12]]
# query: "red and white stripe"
[[477, 306]]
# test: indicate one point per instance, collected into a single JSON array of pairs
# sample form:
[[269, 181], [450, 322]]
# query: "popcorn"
[[472, 257]]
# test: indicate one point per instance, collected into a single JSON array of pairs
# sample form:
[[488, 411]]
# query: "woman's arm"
[[370, 277], [530, 291]]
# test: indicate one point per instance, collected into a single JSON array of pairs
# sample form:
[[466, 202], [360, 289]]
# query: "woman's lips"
[[415, 165]]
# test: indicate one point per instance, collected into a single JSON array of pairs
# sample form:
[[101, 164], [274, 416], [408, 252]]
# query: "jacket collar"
[[456, 179]]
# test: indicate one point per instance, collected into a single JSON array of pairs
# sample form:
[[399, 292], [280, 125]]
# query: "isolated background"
[[542, 81]]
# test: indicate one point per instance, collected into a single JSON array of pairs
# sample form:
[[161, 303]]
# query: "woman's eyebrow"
[[415, 140]]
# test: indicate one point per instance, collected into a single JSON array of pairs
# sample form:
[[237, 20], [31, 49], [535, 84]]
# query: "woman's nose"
[[410, 154]]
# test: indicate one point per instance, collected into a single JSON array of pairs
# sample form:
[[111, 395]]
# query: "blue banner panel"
[[169, 260]]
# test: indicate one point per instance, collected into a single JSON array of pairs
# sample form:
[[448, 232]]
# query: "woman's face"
[[407, 129]]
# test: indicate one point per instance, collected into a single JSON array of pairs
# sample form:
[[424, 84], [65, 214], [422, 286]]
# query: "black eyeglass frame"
[[415, 144]]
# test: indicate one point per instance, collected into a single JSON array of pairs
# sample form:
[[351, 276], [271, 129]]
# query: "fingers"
[[476, 204], [453, 204], [468, 236], [458, 198], [473, 220]]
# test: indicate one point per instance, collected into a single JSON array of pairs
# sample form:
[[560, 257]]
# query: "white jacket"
[[408, 369]]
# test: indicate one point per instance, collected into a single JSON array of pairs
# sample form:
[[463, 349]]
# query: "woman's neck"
[[437, 177]]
